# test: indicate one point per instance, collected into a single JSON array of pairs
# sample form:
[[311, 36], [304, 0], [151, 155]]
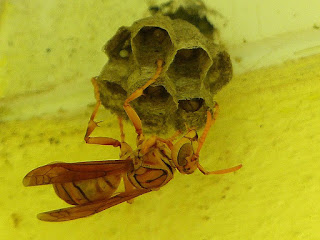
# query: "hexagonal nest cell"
[[194, 70], [151, 44]]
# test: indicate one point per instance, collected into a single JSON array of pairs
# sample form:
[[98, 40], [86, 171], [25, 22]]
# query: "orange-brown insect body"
[[152, 169], [85, 191], [92, 186]]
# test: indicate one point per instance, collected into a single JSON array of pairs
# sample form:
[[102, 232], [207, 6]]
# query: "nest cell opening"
[[155, 94], [151, 44], [191, 105], [189, 63]]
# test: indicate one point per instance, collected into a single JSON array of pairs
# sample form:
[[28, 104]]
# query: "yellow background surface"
[[269, 121]]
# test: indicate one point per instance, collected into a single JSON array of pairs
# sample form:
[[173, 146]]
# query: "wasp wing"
[[88, 209], [71, 172]]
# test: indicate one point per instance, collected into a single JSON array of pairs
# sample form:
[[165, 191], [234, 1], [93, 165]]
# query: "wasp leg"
[[92, 124], [222, 171], [128, 187], [124, 149], [153, 140], [207, 127], [133, 116], [210, 121], [169, 140], [174, 136], [122, 135]]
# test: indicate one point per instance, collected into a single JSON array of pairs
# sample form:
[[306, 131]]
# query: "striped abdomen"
[[84, 191], [154, 172]]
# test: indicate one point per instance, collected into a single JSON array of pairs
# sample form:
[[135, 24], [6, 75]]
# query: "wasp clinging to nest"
[[91, 186]]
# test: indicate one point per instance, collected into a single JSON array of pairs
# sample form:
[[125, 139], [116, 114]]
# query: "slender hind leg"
[[201, 141], [168, 141], [122, 135], [132, 114], [209, 123], [92, 124], [125, 149], [174, 136], [128, 187]]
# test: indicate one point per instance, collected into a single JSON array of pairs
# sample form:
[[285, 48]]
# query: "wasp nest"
[[195, 69]]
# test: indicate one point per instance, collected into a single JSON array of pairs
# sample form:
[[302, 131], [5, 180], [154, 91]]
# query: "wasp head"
[[184, 153]]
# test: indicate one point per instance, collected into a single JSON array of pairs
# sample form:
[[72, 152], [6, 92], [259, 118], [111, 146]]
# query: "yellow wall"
[[269, 122]]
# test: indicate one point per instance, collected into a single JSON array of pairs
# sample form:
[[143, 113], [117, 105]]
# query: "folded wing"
[[71, 172], [88, 209]]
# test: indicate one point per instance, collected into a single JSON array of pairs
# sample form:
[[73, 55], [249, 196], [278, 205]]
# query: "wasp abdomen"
[[151, 178], [84, 191]]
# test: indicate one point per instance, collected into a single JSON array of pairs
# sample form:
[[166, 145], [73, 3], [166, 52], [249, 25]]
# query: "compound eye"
[[185, 151]]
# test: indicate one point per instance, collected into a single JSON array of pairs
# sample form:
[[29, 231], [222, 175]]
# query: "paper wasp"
[[91, 186]]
